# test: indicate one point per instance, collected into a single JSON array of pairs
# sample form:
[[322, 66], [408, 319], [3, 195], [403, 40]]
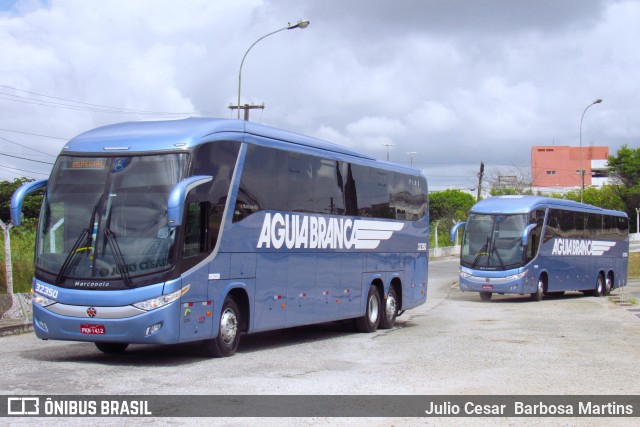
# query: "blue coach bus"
[[539, 246], [202, 229]]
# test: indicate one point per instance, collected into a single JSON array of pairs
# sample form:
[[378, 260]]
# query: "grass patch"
[[634, 265]]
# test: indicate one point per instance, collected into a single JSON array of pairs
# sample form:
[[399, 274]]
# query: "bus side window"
[[553, 225], [622, 228], [536, 217], [257, 189], [196, 227]]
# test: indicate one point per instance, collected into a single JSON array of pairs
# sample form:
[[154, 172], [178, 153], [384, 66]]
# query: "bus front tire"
[[538, 294], [485, 296], [369, 322], [390, 312], [226, 343], [112, 347]]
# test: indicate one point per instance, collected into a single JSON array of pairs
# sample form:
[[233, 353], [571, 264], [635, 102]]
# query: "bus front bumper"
[[517, 283], [159, 326]]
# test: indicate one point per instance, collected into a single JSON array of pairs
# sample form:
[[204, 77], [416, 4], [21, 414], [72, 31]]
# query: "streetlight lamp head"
[[597, 101], [303, 23]]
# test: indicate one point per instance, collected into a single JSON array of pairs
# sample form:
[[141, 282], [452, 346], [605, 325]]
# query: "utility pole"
[[480, 175], [246, 108], [411, 154], [7, 255], [388, 146]]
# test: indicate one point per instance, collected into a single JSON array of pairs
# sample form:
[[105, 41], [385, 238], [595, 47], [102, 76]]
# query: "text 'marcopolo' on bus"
[[203, 229], [542, 246]]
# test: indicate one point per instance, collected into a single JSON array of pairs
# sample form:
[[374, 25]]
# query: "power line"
[[24, 146], [34, 134], [5, 167], [24, 158], [88, 106]]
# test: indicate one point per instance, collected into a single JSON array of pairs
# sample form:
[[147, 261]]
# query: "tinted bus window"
[[258, 189], [327, 188]]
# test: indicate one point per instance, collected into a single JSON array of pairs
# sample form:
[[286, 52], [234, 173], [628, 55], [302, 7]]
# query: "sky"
[[452, 82]]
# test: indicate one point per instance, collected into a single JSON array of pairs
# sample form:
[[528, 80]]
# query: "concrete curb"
[[13, 327]]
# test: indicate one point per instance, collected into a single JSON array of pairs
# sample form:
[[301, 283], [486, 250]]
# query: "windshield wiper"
[[481, 252], [121, 265], [495, 250], [82, 241]]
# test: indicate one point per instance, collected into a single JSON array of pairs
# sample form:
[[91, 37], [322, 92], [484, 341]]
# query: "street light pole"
[[388, 147], [411, 154], [597, 101], [303, 23]]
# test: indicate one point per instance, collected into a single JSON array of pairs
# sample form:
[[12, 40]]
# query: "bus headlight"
[[42, 301], [517, 276], [157, 302], [464, 274]]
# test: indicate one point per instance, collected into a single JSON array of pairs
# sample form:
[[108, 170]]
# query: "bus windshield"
[[105, 218], [493, 242]]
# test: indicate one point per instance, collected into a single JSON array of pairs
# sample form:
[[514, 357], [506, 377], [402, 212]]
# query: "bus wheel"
[[369, 322], [599, 290], [112, 347], [485, 296], [537, 296], [608, 285], [388, 318], [226, 343]]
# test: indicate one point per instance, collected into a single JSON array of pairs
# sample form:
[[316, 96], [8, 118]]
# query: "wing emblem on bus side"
[[368, 234], [599, 248]]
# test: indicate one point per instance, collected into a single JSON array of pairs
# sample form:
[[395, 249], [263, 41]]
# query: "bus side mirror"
[[18, 198], [525, 233], [178, 196], [454, 231]]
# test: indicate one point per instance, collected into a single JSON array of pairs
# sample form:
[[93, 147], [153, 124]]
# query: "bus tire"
[[369, 322], [538, 294], [485, 296], [112, 347], [599, 290], [608, 285], [226, 343], [390, 312]]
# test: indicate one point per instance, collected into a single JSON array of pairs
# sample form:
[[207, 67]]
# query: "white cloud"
[[457, 81]]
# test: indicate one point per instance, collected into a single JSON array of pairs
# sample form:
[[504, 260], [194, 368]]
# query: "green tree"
[[509, 191], [450, 204], [624, 167], [31, 205], [606, 197], [445, 209]]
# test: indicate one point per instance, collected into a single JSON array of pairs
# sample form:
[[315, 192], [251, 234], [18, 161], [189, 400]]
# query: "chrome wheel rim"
[[391, 307], [373, 309], [228, 326]]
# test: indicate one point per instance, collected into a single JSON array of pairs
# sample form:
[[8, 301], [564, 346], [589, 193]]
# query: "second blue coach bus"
[[201, 229], [538, 246]]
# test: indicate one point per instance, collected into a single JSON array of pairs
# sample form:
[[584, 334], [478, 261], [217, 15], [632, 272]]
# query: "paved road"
[[454, 344]]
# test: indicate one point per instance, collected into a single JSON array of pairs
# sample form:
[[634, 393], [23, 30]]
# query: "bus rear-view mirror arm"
[[454, 231], [178, 196], [525, 233], [18, 198]]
